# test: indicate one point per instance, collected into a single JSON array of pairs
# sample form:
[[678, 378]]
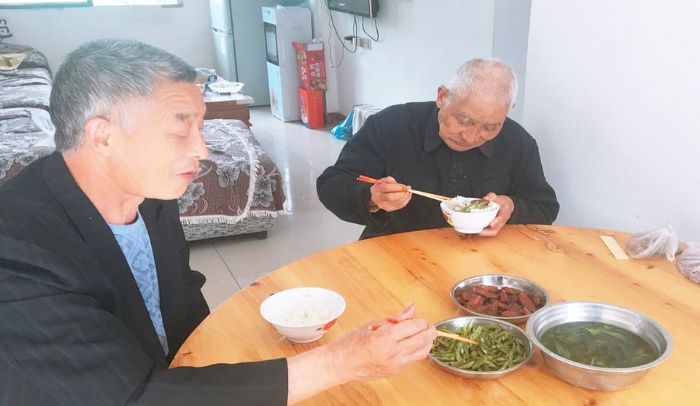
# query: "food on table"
[[495, 301], [308, 313], [464, 205], [497, 350], [598, 344]]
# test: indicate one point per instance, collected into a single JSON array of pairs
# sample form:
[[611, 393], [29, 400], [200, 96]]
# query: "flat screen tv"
[[364, 8]]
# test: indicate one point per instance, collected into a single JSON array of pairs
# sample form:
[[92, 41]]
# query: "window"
[[136, 2], [86, 3], [43, 3]]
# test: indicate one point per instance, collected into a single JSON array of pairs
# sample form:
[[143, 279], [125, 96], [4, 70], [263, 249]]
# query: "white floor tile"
[[205, 259], [245, 280], [216, 293]]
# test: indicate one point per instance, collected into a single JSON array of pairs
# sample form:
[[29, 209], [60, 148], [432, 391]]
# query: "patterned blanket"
[[30, 84], [26, 131], [237, 179]]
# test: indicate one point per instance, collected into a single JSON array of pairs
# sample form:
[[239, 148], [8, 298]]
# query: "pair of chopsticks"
[[439, 333], [440, 198]]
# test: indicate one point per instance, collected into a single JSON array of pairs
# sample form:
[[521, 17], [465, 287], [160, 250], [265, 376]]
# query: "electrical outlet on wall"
[[363, 42], [4, 29]]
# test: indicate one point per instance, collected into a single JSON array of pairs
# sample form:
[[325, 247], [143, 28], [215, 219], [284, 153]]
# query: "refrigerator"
[[284, 25], [239, 43]]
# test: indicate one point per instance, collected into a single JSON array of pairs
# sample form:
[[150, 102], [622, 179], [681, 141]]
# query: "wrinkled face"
[[469, 121], [157, 152]]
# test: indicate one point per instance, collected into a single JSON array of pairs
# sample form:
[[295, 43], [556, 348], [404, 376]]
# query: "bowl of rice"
[[303, 315], [469, 215]]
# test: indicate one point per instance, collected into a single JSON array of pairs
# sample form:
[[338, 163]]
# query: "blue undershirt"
[[135, 243]]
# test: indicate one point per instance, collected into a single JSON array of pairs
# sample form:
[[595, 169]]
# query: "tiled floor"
[[301, 155]]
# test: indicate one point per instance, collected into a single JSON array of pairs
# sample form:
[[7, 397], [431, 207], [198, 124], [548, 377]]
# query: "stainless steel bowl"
[[586, 376], [453, 324], [501, 281]]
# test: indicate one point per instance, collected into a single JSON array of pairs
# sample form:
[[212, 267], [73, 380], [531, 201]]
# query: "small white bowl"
[[468, 223], [303, 315], [224, 86]]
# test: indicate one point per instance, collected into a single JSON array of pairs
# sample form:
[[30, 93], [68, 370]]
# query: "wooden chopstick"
[[439, 333], [440, 198], [456, 337]]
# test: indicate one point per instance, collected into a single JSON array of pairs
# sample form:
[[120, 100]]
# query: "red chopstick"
[[363, 178]]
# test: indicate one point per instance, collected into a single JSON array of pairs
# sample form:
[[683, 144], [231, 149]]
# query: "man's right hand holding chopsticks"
[[388, 195]]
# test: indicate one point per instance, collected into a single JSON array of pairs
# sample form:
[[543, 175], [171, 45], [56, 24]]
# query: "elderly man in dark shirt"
[[461, 144]]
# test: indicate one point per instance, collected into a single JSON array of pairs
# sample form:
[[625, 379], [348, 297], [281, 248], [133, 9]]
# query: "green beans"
[[497, 349], [477, 204]]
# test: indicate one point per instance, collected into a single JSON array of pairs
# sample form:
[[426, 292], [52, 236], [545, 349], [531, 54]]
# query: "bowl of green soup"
[[598, 346]]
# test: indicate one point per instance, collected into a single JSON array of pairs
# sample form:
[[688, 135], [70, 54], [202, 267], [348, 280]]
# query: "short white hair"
[[485, 75]]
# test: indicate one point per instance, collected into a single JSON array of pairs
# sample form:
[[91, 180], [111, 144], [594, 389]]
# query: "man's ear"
[[442, 94], [99, 135]]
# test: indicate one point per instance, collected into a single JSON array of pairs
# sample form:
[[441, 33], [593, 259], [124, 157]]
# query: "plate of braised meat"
[[501, 297]]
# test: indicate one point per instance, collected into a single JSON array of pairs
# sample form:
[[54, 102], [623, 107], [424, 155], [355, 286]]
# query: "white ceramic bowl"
[[303, 315], [468, 223], [225, 87]]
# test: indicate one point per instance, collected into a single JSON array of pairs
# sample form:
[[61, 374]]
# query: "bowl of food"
[[469, 215], [598, 346], [224, 86], [503, 297], [303, 315], [501, 348]]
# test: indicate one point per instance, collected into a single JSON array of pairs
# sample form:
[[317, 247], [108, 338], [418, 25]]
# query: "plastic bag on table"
[[654, 243], [689, 263], [343, 131]]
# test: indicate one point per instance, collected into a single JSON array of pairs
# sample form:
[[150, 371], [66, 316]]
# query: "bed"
[[25, 126], [238, 190]]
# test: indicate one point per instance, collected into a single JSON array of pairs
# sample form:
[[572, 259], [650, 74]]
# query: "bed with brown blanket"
[[238, 190]]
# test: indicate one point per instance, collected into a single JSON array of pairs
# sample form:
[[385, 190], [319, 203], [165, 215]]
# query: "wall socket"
[[4, 29], [363, 42]]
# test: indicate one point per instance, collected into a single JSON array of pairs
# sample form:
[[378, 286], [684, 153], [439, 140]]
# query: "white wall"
[[422, 43], [184, 31], [612, 98], [510, 36]]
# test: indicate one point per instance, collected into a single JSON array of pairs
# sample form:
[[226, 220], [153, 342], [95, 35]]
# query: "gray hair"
[[101, 75], [485, 75]]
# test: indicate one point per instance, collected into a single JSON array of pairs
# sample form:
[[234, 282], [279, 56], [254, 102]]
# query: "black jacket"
[[403, 141], [74, 327]]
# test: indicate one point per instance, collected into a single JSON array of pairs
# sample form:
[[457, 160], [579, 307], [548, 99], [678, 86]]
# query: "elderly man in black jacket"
[[461, 144], [96, 292]]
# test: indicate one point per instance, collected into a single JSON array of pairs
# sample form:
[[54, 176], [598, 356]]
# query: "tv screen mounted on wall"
[[364, 8]]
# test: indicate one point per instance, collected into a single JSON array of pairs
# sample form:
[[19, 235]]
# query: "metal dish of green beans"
[[502, 348]]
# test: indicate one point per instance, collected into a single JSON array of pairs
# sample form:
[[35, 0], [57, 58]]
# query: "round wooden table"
[[380, 276]]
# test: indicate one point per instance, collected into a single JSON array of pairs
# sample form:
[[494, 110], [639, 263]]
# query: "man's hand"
[[384, 347], [389, 195], [376, 350], [504, 213]]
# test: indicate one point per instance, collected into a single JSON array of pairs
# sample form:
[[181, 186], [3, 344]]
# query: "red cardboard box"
[[311, 107], [312, 65]]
